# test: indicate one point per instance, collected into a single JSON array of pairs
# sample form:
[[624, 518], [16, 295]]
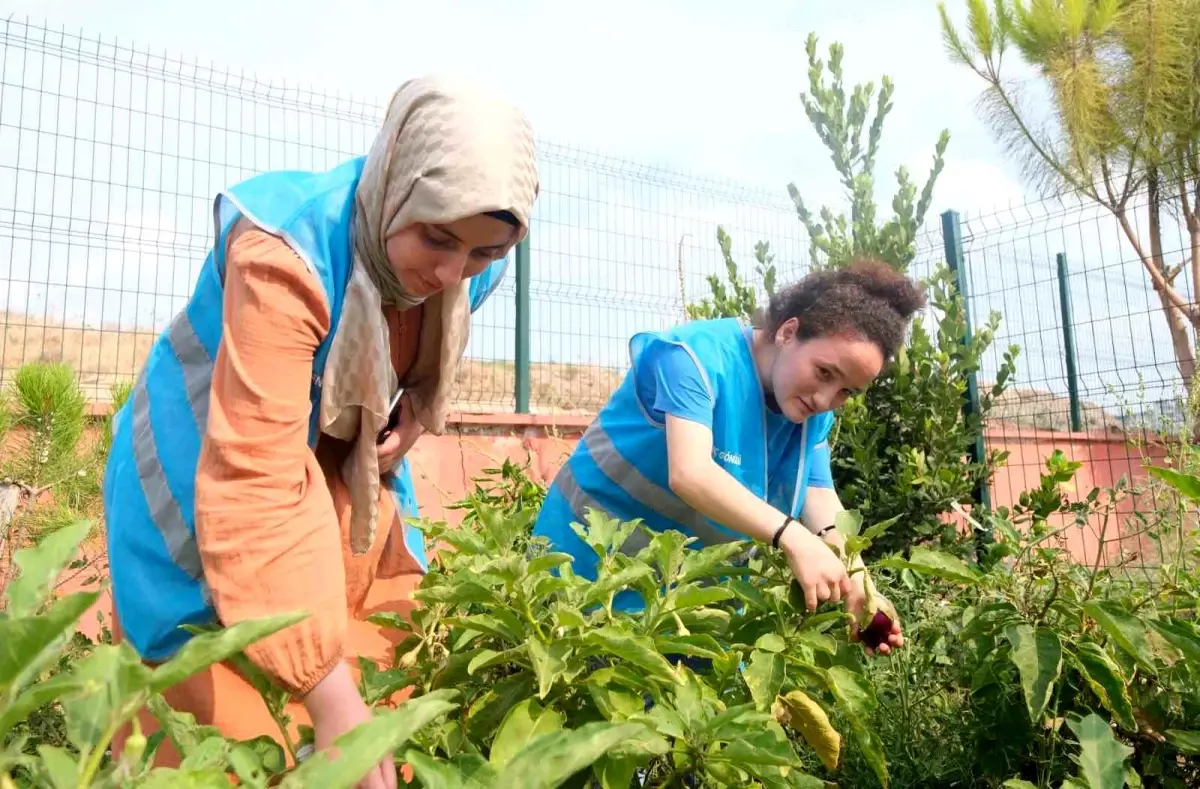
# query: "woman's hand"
[[820, 572], [335, 708], [397, 441]]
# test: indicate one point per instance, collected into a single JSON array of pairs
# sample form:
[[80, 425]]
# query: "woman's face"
[[820, 374], [430, 258]]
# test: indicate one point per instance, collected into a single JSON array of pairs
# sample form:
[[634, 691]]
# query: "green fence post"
[[952, 238], [521, 386], [1064, 300]]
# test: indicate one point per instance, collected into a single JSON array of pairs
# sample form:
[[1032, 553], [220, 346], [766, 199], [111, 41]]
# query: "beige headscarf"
[[447, 150]]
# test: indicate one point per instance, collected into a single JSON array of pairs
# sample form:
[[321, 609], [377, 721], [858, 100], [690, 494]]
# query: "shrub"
[[724, 680], [1067, 674]]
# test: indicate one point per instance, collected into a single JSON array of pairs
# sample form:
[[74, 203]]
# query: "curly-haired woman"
[[720, 430]]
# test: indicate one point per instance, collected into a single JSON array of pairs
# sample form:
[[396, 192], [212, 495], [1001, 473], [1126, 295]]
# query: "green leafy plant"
[[49, 476], [899, 448], [835, 238], [104, 691], [723, 679], [1068, 665], [734, 298]]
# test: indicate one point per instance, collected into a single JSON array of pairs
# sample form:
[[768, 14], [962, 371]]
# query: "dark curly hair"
[[867, 300]]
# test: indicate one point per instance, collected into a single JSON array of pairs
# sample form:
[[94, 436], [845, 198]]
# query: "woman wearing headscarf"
[[257, 468]]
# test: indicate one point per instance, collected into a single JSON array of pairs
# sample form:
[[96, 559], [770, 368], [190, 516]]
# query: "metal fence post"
[[521, 385], [952, 239], [1064, 300]]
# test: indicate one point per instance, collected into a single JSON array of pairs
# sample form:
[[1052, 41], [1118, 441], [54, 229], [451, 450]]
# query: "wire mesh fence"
[[1098, 377], [111, 155]]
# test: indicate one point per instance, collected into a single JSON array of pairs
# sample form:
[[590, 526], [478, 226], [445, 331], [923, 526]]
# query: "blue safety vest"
[[619, 466], [149, 483]]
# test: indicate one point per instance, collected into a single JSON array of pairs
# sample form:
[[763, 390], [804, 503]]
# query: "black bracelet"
[[779, 532], [826, 530]]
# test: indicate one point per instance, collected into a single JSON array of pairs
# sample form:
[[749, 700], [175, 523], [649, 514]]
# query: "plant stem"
[[98, 750], [287, 740], [1099, 553]]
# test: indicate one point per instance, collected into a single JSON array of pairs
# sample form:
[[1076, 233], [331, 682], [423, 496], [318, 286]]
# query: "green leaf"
[[1186, 484], [1180, 635], [246, 759], [486, 713], [615, 772], [523, 724], [700, 645], [487, 658], [771, 642], [935, 563], [27, 643], [368, 744], [750, 594], [764, 675], [1101, 756], [432, 773], [615, 703], [848, 523], [818, 641], [1128, 631], [638, 650], [1104, 677], [1186, 741], [267, 752], [696, 596], [568, 616], [549, 663], [822, 622], [114, 687], [59, 686], [548, 561], [548, 761], [465, 771], [877, 530], [735, 722], [494, 626], [1037, 654], [1017, 783], [458, 593], [180, 727], [40, 567], [206, 649], [61, 767], [856, 697], [768, 746]]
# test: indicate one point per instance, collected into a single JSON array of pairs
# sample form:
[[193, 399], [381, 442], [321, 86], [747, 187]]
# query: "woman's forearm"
[[713, 492]]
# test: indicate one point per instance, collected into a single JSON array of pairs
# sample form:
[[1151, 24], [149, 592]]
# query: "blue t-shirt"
[[669, 381]]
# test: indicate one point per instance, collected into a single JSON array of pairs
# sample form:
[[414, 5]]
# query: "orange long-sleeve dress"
[[272, 515]]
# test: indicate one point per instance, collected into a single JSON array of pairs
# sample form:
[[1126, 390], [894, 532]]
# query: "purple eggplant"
[[876, 631]]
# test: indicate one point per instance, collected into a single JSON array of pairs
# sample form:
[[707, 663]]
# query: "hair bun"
[[881, 281]]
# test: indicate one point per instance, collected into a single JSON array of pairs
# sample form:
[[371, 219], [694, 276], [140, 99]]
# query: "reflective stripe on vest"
[[164, 509], [638, 487]]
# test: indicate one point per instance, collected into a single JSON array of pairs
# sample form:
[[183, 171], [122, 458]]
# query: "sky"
[[657, 120], [704, 86]]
